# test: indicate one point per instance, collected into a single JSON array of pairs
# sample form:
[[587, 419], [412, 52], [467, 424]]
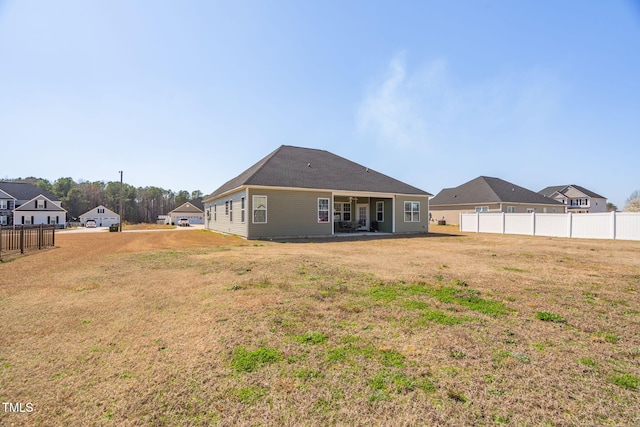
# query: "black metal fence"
[[21, 238]]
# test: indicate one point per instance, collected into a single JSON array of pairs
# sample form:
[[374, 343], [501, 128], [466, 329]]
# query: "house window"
[[226, 207], [323, 210], [337, 212], [259, 209], [511, 209], [3, 220], [242, 209], [411, 211], [530, 210], [346, 212], [41, 204], [230, 210], [482, 208], [215, 212], [3, 204], [380, 211], [101, 210]]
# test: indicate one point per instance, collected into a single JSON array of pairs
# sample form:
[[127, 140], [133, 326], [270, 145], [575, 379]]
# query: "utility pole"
[[121, 203]]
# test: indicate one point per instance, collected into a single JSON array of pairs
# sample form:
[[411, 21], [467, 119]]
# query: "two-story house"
[[577, 199], [25, 204]]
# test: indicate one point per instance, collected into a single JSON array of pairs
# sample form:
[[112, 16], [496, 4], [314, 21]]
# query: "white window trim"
[[328, 210], [243, 204], [253, 209], [511, 209], [346, 211], [481, 209], [411, 211], [380, 203]]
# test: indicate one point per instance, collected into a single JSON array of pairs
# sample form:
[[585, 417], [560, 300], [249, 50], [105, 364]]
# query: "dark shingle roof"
[[25, 191], [296, 167], [486, 189], [563, 188]]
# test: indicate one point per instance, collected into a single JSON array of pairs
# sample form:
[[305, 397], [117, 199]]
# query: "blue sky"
[[186, 95]]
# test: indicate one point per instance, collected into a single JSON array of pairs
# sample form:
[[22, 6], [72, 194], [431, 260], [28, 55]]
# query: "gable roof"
[[94, 211], [5, 195], [562, 189], [31, 205], [25, 191], [297, 167], [485, 189], [189, 207]]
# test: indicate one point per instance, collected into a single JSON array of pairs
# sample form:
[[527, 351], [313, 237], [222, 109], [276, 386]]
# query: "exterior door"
[[362, 217]]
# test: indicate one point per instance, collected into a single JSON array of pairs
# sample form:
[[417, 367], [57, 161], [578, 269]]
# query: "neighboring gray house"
[[193, 211], [577, 199], [103, 217], [487, 194], [25, 204], [304, 192]]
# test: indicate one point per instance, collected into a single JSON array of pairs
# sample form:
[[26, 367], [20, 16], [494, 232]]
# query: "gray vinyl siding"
[[224, 223], [412, 227], [289, 214], [385, 226]]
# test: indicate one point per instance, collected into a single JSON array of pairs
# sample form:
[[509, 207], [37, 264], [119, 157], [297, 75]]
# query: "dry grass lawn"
[[194, 328]]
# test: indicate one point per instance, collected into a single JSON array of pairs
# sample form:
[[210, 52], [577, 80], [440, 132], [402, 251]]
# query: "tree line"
[[142, 204]]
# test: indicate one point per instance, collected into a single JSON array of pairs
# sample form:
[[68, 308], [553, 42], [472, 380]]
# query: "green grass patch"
[[392, 358], [547, 316], [439, 317], [626, 380], [244, 360], [383, 292], [311, 338], [470, 299], [387, 382], [586, 361], [415, 305]]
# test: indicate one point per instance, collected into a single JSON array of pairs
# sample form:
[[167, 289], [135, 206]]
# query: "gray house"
[[488, 194], [303, 192]]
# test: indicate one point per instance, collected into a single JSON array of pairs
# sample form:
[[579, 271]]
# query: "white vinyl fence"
[[610, 225]]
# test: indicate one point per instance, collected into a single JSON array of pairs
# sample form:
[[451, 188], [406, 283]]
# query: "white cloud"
[[389, 113], [427, 110]]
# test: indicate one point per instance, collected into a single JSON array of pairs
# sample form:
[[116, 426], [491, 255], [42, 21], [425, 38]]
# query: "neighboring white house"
[[193, 211], [14, 195], [102, 216], [577, 199], [40, 210]]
